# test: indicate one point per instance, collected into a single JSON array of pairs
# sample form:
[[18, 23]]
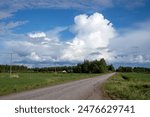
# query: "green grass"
[[131, 86], [27, 81]]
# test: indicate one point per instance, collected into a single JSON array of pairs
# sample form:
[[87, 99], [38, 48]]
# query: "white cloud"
[[132, 44], [4, 14], [92, 32], [139, 59], [37, 35], [11, 25], [6, 28], [33, 56], [44, 46]]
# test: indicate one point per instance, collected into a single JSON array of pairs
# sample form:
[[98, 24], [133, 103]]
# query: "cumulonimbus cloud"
[[91, 32]]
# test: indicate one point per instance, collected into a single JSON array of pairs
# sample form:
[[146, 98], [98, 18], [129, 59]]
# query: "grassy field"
[[28, 81], [131, 86]]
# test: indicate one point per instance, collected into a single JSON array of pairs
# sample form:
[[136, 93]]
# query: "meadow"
[[28, 81], [130, 86]]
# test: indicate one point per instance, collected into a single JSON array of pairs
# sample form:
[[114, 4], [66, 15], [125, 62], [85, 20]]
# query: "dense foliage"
[[96, 66]]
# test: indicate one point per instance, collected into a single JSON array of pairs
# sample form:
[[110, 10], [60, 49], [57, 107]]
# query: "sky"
[[42, 33]]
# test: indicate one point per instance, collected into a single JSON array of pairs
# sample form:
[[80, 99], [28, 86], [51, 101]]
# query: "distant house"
[[64, 71]]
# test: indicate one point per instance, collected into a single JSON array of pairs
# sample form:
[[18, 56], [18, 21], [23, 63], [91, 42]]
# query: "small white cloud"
[[11, 25], [37, 35], [34, 57], [139, 59]]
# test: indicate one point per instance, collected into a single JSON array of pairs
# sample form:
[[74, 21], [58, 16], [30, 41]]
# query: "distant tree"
[[102, 66], [95, 68], [120, 69], [111, 68], [78, 68], [86, 66], [128, 69], [141, 69], [124, 69]]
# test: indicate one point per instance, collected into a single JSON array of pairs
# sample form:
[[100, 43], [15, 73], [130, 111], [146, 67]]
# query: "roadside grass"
[[28, 81], [130, 86]]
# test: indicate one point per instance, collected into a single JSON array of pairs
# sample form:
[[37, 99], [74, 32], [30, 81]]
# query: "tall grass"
[[28, 81], [132, 86]]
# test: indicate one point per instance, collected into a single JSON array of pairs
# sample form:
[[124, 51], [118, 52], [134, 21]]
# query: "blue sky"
[[40, 33]]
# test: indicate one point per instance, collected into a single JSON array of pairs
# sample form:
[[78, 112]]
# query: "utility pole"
[[55, 67], [11, 59], [10, 64]]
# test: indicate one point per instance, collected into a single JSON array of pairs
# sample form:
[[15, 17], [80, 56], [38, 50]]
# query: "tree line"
[[96, 66], [133, 69], [15, 68]]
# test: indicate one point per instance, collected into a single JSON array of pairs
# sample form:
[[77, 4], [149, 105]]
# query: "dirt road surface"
[[86, 89]]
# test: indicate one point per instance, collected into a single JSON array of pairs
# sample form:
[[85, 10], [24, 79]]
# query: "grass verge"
[[27, 81], [130, 86]]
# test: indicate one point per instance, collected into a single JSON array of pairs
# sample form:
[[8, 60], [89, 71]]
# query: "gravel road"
[[86, 89]]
